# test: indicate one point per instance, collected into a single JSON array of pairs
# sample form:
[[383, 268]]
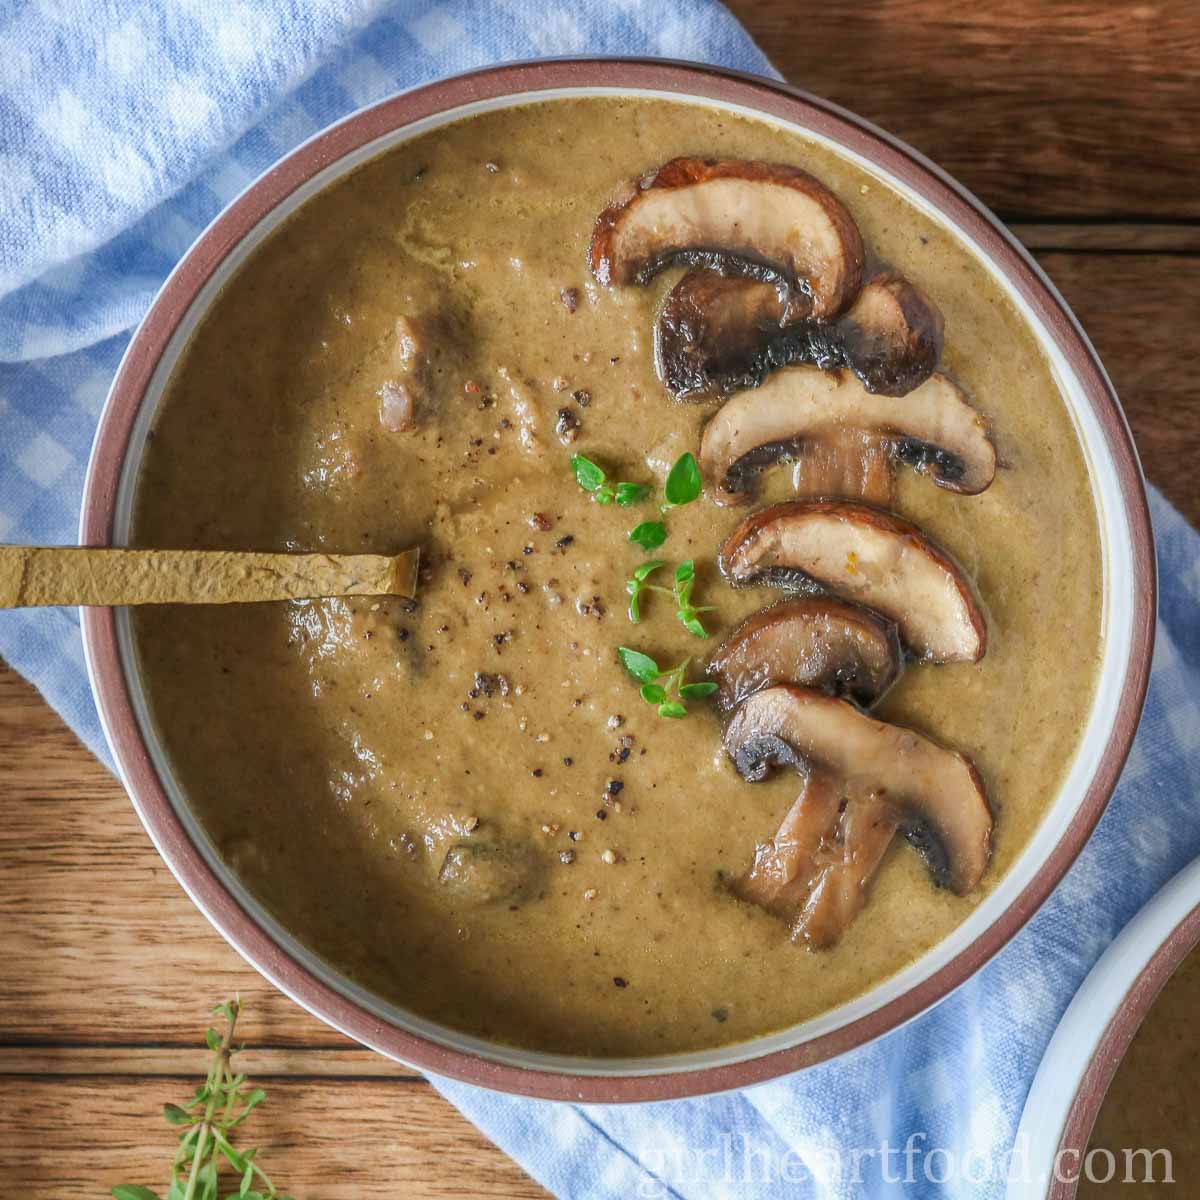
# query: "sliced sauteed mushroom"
[[764, 221], [937, 793], [848, 860], [863, 781], [799, 411], [892, 335], [870, 557], [717, 335], [813, 641], [491, 872], [783, 870], [714, 334]]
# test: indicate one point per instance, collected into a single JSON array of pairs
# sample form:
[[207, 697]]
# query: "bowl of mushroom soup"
[[755, 469]]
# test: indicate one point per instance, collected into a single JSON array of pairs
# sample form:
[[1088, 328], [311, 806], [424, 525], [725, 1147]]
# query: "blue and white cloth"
[[124, 128]]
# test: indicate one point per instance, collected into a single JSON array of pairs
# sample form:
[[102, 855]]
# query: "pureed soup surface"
[[1154, 1099], [335, 751]]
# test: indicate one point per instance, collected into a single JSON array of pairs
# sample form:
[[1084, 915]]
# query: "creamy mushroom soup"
[[471, 805]]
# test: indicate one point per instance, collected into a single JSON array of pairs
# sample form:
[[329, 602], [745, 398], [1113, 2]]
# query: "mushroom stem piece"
[[849, 858], [867, 556], [863, 782], [783, 870]]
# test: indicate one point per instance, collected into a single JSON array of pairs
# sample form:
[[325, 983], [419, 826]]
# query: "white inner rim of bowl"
[[1117, 631]]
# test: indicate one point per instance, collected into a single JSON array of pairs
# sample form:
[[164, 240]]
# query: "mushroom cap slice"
[[870, 557], [770, 221], [813, 641], [716, 335], [936, 794], [933, 428], [892, 335]]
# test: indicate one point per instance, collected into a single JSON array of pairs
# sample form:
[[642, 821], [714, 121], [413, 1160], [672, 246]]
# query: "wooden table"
[[1075, 121]]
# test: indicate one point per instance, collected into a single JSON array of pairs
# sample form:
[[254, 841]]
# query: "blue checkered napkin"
[[123, 130]]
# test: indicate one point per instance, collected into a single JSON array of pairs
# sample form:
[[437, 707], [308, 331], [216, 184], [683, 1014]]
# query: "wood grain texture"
[[1115, 237], [106, 972], [345, 1139], [1044, 108], [1075, 119], [1136, 310]]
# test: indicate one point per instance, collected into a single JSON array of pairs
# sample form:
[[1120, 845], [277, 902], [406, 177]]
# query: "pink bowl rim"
[[689, 81]]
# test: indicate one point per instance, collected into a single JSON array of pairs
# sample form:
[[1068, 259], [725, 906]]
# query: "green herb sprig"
[[592, 478], [680, 592], [683, 485], [684, 482], [658, 684], [685, 610], [649, 535], [207, 1122], [637, 583]]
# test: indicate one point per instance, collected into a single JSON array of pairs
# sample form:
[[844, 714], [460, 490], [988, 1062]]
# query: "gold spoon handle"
[[71, 575]]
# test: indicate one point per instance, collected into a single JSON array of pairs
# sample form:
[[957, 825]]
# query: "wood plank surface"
[[1046, 108], [324, 1139], [1075, 120], [1135, 308]]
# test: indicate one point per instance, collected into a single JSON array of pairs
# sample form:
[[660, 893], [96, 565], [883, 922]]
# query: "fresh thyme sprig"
[[648, 673], [636, 585], [684, 482], [592, 478], [685, 610], [207, 1122], [649, 535], [687, 613], [683, 485]]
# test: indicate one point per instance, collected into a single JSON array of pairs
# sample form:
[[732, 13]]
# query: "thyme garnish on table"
[[206, 1123]]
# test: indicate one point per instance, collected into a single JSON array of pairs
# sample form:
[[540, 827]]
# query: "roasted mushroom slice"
[[716, 335], [811, 641], [892, 336], [801, 411], [935, 794], [870, 557], [766, 221]]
